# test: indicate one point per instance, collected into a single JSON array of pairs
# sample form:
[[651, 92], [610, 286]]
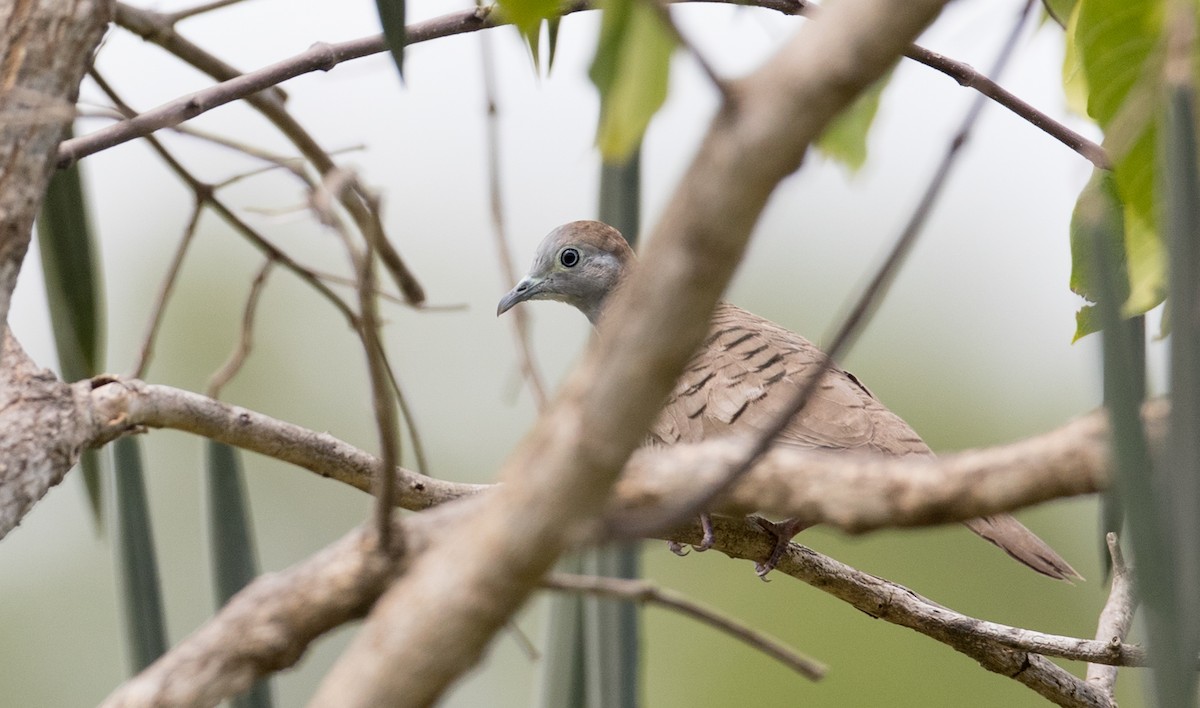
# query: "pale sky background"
[[972, 347]]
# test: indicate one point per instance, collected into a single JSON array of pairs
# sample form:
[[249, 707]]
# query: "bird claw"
[[782, 532], [706, 541], [709, 537]]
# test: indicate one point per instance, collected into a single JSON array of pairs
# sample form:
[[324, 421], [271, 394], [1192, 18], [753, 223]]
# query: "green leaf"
[[1113, 56], [391, 18], [552, 35], [1146, 263], [1059, 10], [137, 564], [1074, 80], [72, 290], [633, 60], [845, 139], [527, 16], [231, 542]]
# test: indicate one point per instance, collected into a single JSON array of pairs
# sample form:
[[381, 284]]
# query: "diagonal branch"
[[645, 592]]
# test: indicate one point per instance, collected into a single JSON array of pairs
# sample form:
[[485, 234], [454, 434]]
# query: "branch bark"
[[45, 47]]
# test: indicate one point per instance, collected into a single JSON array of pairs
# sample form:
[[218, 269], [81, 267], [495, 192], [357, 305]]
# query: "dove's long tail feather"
[[1022, 544]]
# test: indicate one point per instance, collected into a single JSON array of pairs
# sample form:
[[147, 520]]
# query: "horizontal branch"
[[858, 493], [124, 405], [853, 493]]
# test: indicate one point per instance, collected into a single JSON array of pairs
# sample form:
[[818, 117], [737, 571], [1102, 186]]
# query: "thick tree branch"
[[851, 492], [45, 47], [41, 433]]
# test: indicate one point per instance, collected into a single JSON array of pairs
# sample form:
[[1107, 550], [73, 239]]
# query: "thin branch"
[[204, 192], [968, 77], [1115, 619], [323, 57], [328, 193], [641, 591], [146, 351], [152, 27], [410, 420], [382, 398], [520, 321], [662, 9], [175, 17], [241, 350]]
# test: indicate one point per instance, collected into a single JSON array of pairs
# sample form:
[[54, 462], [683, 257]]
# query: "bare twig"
[[356, 201], [204, 192], [146, 351], [1115, 619], [329, 193], [381, 390], [662, 9], [642, 591], [242, 349], [199, 9], [520, 320]]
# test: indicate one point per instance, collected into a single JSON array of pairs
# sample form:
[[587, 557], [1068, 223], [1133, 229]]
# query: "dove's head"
[[579, 263]]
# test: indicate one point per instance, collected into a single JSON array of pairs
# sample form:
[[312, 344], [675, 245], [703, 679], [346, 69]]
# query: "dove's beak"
[[527, 289]]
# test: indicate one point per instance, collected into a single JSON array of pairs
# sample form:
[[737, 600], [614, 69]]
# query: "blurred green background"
[[972, 347]]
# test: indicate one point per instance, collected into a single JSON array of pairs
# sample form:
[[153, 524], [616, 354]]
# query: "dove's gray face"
[[578, 263]]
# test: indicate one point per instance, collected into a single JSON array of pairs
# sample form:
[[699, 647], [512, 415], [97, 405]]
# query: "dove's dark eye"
[[569, 257]]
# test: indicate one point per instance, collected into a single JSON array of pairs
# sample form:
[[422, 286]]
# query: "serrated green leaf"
[[391, 18], [845, 139], [137, 564], [631, 68], [73, 293], [231, 542]]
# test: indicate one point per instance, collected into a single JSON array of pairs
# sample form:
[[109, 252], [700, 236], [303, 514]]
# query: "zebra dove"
[[746, 370]]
